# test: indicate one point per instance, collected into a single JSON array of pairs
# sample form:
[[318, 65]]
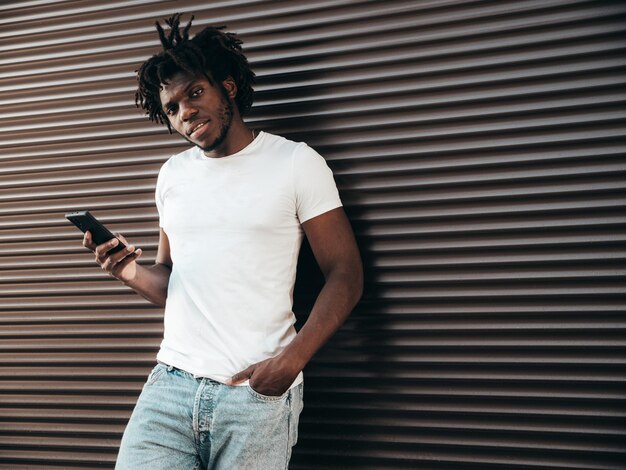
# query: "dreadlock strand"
[[173, 22], [186, 30], [164, 41], [181, 58]]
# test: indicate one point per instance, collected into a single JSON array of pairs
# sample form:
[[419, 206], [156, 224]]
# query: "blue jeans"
[[186, 423]]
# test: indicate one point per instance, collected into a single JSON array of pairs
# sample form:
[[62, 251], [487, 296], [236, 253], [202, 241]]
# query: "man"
[[233, 209]]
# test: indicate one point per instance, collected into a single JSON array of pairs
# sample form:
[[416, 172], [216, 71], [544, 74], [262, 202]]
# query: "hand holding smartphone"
[[99, 233], [116, 260]]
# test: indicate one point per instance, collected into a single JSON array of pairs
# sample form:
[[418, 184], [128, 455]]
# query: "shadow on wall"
[[345, 381]]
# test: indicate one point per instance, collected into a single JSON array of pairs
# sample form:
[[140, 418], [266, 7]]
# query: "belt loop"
[[167, 366]]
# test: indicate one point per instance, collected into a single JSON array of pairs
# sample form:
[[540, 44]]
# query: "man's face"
[[199, 111]]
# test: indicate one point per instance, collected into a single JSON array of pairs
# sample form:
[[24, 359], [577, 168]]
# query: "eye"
[[197, 92], [170, 111]]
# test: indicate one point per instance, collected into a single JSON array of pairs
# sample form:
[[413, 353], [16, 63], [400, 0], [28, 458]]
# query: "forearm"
[[273, 376], [151, 282], [338, 297]]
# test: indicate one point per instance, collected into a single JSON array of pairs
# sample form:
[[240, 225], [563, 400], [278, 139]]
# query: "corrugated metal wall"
[[480, 150]]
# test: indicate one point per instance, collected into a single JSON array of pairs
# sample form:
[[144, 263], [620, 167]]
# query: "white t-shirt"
[[233, 225]]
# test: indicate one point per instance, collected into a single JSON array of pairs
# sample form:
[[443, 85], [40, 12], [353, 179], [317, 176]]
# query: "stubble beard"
[[225, 120]]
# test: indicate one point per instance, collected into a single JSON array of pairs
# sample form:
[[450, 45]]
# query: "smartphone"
[[99, 233]]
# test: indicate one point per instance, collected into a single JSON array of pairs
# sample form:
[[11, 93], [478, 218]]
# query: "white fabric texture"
[[233, 225]]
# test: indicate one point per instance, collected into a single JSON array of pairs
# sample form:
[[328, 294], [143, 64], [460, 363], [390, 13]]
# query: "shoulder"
[[281, 144], [300, 153], [178, 160]]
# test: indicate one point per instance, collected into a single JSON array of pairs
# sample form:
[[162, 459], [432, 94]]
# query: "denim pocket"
[[157, 372], [260, 396]]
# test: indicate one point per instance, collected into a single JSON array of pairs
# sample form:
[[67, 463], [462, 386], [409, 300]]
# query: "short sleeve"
[[314, 185]]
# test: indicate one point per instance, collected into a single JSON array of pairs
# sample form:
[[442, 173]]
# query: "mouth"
[[196, 128]]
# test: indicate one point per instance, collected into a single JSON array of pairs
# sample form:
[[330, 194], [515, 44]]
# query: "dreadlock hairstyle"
[[212, 53]]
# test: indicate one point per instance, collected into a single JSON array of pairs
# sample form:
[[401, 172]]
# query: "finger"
[[103, 248], [88, 242], [126, 261], [129, 253], [241, 376], [110, 261]]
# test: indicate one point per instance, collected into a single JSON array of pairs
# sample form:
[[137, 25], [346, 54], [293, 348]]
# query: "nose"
[[186, 111]]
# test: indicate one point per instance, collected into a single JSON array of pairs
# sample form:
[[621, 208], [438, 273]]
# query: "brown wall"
[[480, 151]]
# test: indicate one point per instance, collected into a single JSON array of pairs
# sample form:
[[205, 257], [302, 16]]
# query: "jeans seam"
[[154, 375], [196, 416], [289, 419]]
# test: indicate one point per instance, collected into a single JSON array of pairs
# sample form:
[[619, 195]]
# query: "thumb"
[[241, 376]]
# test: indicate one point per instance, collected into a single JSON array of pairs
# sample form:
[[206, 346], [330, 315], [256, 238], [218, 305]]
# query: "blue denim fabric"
[[181, 422]]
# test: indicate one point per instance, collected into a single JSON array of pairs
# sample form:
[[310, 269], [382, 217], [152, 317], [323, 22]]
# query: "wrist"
[[131, 280], [293, 360]]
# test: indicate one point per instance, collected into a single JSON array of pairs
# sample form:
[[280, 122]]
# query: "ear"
[[231, 87]]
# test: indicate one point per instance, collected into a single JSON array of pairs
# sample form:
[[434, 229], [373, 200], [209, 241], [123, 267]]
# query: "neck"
[[239, 136]]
